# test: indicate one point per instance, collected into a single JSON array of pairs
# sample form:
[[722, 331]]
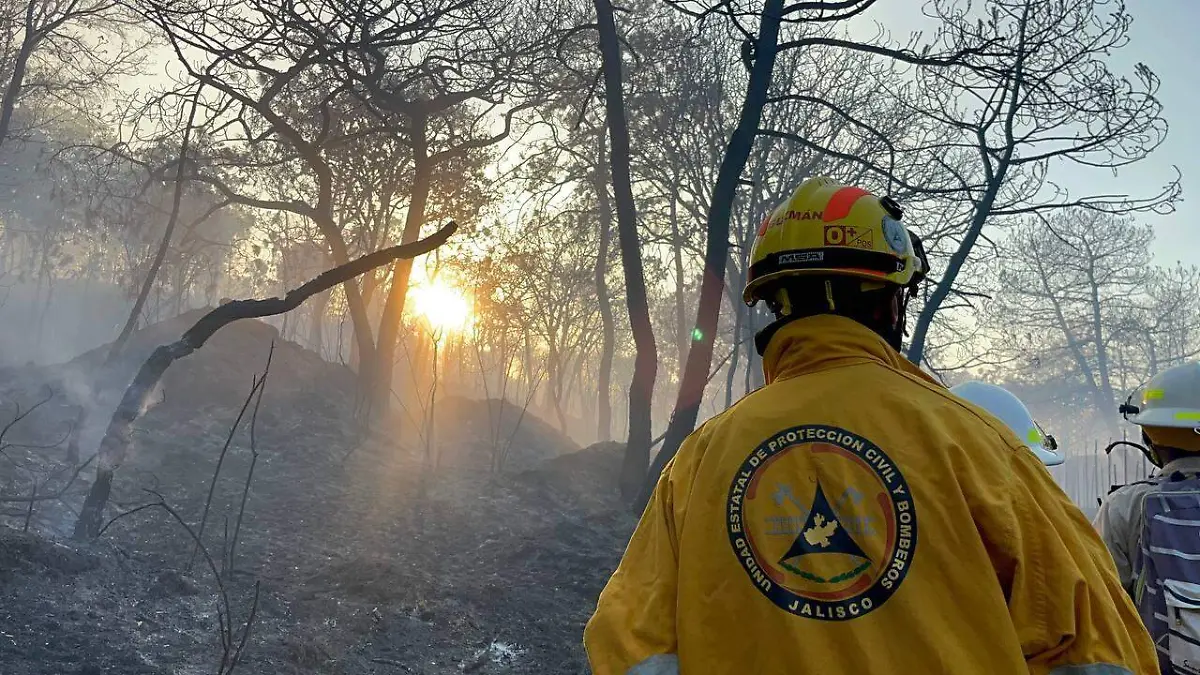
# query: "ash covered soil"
[[363, 561]]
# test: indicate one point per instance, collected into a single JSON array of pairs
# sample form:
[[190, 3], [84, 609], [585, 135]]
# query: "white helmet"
[[1167, 409], [1170, 399], [1006, 407]]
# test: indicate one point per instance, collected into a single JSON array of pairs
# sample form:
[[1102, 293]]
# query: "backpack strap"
[[1173, 477], [1118, 486], [1114, 488]]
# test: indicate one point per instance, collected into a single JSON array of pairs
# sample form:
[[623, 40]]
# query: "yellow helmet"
[[826, 228]]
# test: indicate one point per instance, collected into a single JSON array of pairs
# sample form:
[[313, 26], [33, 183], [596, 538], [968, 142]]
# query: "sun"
[[444, 307]]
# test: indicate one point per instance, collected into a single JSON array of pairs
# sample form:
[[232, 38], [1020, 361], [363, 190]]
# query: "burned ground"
[[366, 561]]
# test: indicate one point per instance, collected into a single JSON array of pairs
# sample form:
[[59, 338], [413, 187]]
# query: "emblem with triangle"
[[822, 533]]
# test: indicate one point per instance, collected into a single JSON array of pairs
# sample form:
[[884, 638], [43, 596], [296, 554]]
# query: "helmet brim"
[[1171, 418], [1048, 457], [751, 293]]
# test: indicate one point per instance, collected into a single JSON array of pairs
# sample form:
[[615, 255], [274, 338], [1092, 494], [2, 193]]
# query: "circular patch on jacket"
[[822, 522]]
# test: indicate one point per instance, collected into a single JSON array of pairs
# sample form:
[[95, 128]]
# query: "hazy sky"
[[1163, 37]]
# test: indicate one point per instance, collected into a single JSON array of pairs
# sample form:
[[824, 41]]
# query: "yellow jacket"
[[852, 517]]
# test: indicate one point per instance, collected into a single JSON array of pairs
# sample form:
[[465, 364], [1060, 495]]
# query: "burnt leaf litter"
[[366, 561]]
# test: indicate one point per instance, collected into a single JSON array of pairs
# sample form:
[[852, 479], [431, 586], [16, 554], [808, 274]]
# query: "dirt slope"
[[367, 563]]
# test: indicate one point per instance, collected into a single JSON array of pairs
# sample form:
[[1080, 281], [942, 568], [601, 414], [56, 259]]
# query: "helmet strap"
[[899, 320], [1147, 449], [1150, 451]]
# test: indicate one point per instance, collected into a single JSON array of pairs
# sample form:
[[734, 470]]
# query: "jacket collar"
[[1182, 465], [827, 340]]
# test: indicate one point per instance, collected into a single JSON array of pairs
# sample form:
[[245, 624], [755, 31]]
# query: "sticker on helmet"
[[896, 235], [766, 222], [835, 235], [801, 257], [849, 235], [803, 215]]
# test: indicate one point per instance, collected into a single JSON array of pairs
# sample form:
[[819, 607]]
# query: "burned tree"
[[115, 443], [759, 52], [474, 67], [1042, 97], [50, 55], [1073, 287], [645, 368]]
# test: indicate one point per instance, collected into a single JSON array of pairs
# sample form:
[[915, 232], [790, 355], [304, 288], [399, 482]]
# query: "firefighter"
[[1009, 409], [852, 516], [1151, 526]]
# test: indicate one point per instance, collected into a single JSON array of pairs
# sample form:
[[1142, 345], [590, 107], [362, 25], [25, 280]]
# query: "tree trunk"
[[417, 362], [393, 309], [645, 368], [16, 79], [363, 346], [1106, 405], [920, 332], [546, 404], [1102, 362], [283, 330], [43, 266], [681, 331], [608, 326], [557, 391], [1075, 347], [587, 406], [743, 333], [45, 309], [316, 329], [148, 282], [739, 314], [995, 176], [341, 338], [528, 353], [755, 377], [716, 253]]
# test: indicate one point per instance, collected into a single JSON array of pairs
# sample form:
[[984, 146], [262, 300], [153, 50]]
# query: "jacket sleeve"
[[633, 629], [1112, 522], [1068, 606]]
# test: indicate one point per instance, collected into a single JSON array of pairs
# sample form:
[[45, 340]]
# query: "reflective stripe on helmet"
[[1170, 399]]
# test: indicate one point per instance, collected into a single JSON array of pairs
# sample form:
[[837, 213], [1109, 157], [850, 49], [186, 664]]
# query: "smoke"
[[53, 323]]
